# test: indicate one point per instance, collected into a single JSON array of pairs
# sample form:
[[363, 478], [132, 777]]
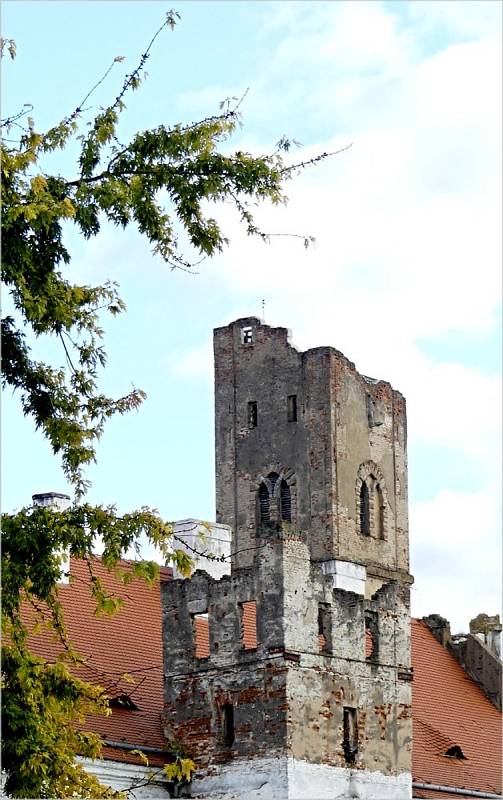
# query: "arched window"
[[378, 512], [275, 501], [285, 502], [264, 503], [364, 510], [371, 502]]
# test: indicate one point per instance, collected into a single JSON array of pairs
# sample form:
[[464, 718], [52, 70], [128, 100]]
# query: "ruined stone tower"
[[290, 677]]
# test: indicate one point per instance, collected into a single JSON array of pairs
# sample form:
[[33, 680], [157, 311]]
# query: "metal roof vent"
[[123, 701]]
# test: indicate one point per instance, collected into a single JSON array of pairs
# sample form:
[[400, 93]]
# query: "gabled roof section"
[[451, 714], [123, 655]]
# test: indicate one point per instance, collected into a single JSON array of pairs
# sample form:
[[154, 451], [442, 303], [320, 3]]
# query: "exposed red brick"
[[369, 643], [448, 708], [249, 625], [202, 636]]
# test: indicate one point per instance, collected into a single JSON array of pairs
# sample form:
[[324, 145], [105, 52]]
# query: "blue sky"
[[404, 277]]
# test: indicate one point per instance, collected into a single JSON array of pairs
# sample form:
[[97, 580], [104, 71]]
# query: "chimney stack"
[[54, 500], [488, 630], [57, 502]]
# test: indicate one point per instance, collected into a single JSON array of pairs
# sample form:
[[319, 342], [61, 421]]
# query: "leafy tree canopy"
[[162, 181]]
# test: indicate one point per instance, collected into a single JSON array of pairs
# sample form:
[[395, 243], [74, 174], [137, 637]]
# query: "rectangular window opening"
[[228, 724], [292, 408], [252, 414], [249, 624], [350, 735], [201, 635], [247, 335], [324, 628], [371, 636]]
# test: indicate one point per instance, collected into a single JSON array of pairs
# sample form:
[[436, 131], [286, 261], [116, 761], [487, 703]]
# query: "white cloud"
[[456, 407], [409, 244], [408, 237], [455, 539], [470, 19], [408, 231], [356, 37]]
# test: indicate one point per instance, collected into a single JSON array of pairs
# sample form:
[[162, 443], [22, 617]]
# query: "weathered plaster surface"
[[323, 588], [291, 779], [344, 420]]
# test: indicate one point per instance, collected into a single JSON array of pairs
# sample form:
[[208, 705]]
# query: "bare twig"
[[311, 161], [68, 357]]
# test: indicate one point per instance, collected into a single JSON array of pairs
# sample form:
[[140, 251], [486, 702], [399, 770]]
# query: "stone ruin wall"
[[287, 696]]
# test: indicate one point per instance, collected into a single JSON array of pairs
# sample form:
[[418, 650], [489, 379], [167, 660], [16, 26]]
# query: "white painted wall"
[[207, 537], [150, 781], [291, 779], [346, 575], [58, 502]]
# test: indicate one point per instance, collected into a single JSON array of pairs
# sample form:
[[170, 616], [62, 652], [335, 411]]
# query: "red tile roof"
[[449, 709], [129, 642]]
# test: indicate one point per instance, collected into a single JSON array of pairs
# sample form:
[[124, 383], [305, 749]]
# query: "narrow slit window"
[[201, 633], [371, 636], [350, 735], [252, 414], [369, 644], [364, 510], [249, 625], [228, 724], [247, 335], [324, 628], [292, 408], [285, 502], [378, 512]]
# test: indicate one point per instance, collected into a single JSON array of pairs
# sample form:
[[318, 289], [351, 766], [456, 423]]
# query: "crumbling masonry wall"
[[311, 476], [344, 422], [287, 696]]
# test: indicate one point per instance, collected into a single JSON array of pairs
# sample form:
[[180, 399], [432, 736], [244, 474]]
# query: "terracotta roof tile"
[[449, 709], [128, 642]]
